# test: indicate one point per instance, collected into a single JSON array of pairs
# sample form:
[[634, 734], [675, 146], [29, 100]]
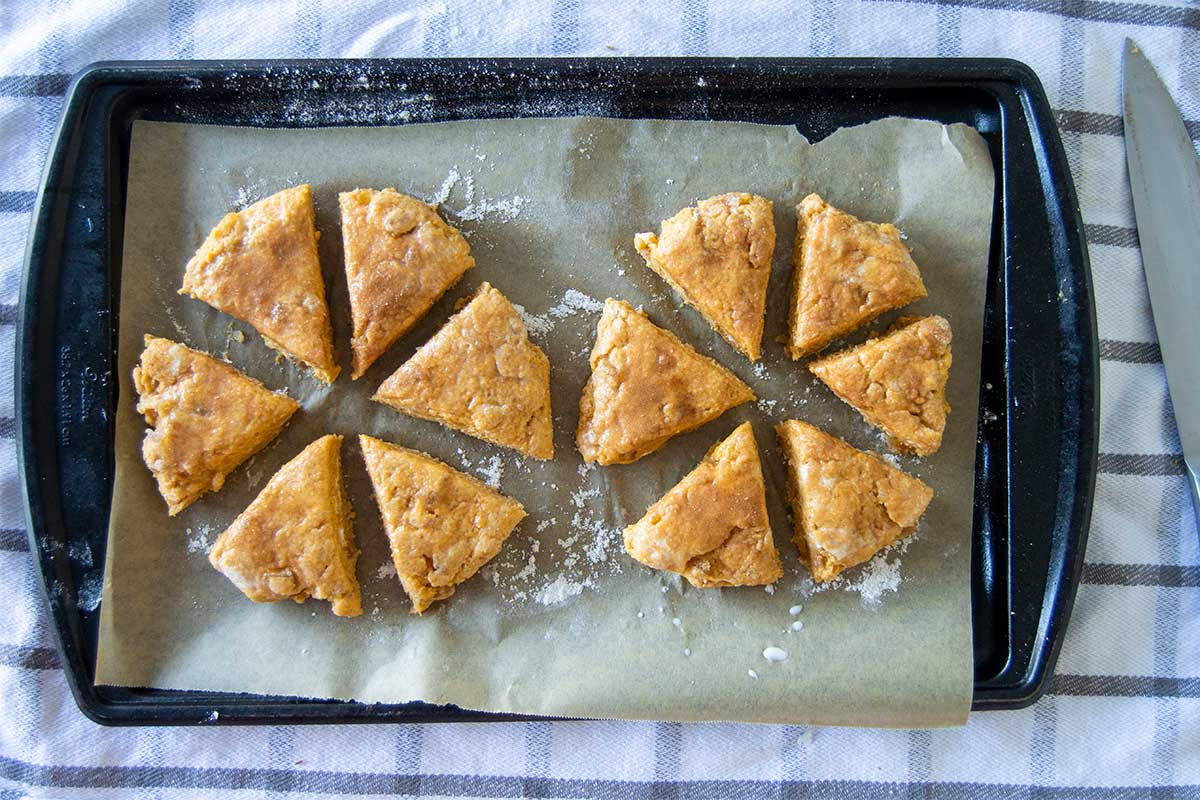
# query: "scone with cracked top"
[[442, 525], [717, 256], [296, 539], [846, 273], [401, 256], [846, 504], [205, 419], [480, 374], [712, 527], [260, 265], [646, 386], [897, 382]]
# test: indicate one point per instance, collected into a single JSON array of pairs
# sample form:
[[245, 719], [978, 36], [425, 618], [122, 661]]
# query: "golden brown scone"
[[260, 265], [846, 273], [897, 382], [443, 525], [712, 527], [846, 504], [400, 258], [481, 375], [205, 419], [717, 255], [296, 539], [646, 386]]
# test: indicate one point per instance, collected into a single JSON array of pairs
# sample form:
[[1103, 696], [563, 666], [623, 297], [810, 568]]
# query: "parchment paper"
[[563, 622]]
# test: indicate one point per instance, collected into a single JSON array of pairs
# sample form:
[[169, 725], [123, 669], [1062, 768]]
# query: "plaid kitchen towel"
[[1122, 717]]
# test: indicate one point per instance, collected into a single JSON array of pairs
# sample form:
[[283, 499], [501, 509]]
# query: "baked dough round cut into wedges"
[[712, 527], [646, 386], [897, 382], [717, 255], [400, 258], [205, 419], [260, 265], [296, 539], [846, 273], [481, 375], [442, 525], [847, 505]]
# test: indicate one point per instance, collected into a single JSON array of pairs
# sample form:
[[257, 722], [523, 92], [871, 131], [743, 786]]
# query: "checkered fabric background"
[[1122, 717]]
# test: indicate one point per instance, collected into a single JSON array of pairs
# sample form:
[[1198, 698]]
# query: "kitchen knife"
[[1165, 175]]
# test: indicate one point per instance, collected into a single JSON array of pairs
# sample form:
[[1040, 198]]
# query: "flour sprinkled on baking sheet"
[[492, 472], [871, 581], [878, 577], [538, 324], [179, 329], [246, 196], [556, 568], [503, 209], [447, 186], [199, 538], [603, 537], [573, 302], [559, 590], [79, 551], [90, 591]]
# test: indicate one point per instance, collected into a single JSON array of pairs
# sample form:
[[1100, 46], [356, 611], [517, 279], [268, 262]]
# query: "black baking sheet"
[[1037, 446]]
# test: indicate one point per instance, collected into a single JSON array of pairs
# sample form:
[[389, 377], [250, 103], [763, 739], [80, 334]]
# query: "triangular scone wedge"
[[296, 539], [481, 375], [400, 258], [717, 255], [897, 382], [260, 265], [846, 273], [443, 525], [646, 386], [846, 504], [205, 419], [712, 527]]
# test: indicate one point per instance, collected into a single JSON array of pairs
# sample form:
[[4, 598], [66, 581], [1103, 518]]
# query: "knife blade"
[[1165, 177]]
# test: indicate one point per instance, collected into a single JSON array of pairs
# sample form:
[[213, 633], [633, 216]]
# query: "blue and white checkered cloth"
[[1123, 712]]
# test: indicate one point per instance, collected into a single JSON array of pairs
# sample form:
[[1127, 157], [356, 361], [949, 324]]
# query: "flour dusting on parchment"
[[565, 556], [470, 209], [870, 581], [200, 538], [571, 303]]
